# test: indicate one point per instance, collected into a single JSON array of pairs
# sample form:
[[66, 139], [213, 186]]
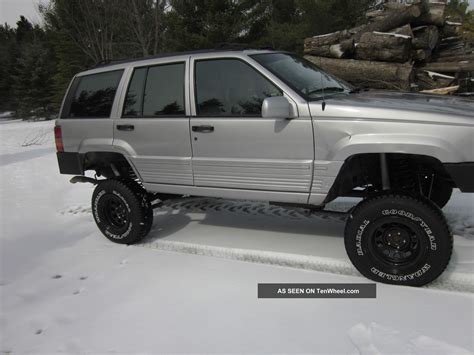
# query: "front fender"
[[418, 144]]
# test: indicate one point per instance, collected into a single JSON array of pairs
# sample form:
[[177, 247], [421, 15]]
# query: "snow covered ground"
[[191, 286]]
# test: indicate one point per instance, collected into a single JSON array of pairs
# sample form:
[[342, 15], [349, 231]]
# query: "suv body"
[[261, 125]]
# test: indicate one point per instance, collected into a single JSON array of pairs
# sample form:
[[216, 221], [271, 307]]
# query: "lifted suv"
[[265, 125]]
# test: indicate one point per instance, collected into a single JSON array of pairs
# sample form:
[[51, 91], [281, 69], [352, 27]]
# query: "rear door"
[[154, 126], [233, 146]]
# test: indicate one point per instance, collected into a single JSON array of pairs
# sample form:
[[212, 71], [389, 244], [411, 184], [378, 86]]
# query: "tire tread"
[[134, 190], [419, 200]]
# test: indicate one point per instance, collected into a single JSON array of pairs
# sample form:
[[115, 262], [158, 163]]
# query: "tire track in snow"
[[461, 225], [449, 281], [203, 205], [304, 262], [227, 206]]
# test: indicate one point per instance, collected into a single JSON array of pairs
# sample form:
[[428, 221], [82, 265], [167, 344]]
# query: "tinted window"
[[93, 95], [230, 87], [156, 91], [134, 99]]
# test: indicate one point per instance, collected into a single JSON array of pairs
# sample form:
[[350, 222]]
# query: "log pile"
[[410, 46]]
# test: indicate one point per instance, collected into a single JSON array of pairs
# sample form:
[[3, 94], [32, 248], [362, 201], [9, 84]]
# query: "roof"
[[152, 60], [176, 54]]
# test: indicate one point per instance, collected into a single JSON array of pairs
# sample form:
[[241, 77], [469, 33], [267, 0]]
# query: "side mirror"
[[277, 107]]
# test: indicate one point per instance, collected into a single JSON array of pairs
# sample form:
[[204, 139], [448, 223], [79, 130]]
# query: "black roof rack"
[[219, 48]]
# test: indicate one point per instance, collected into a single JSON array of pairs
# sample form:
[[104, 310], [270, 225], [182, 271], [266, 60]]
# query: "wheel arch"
[[366, 167], [413, 144], [109, 164]]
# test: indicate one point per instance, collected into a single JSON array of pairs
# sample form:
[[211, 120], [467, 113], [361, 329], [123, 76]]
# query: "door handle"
[[125, 127], [203, 129]]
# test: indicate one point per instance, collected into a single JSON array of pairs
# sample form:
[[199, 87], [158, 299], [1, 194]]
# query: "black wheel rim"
[[115, 212], [396, 243]]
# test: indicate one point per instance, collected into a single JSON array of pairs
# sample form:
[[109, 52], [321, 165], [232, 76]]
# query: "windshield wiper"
[[326, 89], [357, 90]]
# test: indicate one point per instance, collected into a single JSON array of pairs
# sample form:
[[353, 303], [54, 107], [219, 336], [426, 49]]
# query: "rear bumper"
[[462, 175], [70, 163]]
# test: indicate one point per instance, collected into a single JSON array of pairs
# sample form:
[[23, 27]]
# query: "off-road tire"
[[121, 211], [398, 239]]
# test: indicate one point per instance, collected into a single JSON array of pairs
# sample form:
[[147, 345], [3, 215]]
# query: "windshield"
[[303, 76]]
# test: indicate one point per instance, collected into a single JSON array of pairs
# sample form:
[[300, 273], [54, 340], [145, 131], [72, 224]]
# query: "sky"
[[10, 10]]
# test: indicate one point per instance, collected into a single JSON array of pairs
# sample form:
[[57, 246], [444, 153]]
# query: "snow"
[[433, 74], [392, 34], [324, 35], [6, 115], [191, 285], [451, 23], [376, 339]]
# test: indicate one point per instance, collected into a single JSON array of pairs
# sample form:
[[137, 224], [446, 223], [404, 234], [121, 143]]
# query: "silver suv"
[[270, 126]]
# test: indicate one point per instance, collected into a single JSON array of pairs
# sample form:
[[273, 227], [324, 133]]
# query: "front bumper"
[[462, 175]]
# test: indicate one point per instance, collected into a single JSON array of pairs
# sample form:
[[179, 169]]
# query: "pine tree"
[[31, 71], [33, 80], [205, 24], [8, 55]]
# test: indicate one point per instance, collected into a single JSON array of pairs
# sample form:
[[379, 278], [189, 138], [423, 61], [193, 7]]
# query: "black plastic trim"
[[70, 163], [462, 175]]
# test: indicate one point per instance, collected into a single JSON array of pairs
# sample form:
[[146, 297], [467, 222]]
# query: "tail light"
[[58, 137]]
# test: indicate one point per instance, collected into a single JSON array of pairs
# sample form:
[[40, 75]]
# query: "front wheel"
[[121, 211], [398, 239]]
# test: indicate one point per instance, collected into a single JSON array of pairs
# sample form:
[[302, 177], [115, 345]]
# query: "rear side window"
[[156, 91], [230, 87], [92, 96], [134, 99]]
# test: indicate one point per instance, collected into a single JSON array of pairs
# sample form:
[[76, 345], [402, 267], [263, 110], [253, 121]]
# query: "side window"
[[92, 96], [134, 99], [230, 87], [156, 91]]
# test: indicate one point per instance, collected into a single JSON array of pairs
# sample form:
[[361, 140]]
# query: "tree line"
[[37, 62]]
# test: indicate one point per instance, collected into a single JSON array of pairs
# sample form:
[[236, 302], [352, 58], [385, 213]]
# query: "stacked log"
[[384, 47], [402, 46], [371, 74]]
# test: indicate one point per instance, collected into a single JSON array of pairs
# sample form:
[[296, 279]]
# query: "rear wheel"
[[399, 240], [121, 211]]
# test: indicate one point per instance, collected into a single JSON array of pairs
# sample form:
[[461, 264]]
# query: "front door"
[[233, 146], [154, 126]]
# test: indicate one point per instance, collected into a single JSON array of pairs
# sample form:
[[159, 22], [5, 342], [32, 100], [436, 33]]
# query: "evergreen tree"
[[79, 34], [69, 60], [8, 55], [275, 24], [283, 24], [33, 80], [198, 24], [31, 70]]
